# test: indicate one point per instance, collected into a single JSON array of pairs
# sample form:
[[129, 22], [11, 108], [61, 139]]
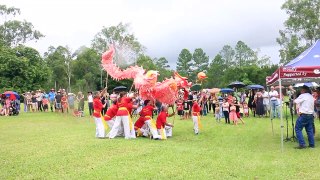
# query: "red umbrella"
[[12, 95]]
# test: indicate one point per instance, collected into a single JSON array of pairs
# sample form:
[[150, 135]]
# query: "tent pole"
[[281, 118], [271, 120]]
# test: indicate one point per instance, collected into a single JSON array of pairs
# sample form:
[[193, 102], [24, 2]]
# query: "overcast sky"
[[164, 27]]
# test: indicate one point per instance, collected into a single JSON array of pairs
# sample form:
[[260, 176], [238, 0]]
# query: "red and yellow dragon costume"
[[146, 82]]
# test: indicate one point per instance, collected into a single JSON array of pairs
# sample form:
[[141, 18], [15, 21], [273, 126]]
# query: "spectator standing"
[[104, 100], [90, 103], [71, 99], [52, 96], [305, 120], [266, 102], [25, 102], [225, 108], [34, 102], [39, 95], [45, 103], [259, 104], [29, 101], [273, 101], [58, 97], [80, 99], [64, 103]]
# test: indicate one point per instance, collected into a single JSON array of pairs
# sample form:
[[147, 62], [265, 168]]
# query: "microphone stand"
[[293, 137], [287, 138]]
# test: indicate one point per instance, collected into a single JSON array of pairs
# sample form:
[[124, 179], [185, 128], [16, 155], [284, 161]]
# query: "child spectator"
[[217, 112], [64, 103], [225, 108], [180, 108], [233, 115], [241, 110], [45, 103], [245, 109], [186, 109]]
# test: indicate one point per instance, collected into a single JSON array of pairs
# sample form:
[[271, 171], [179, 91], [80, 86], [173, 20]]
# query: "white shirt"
[[90, 98], [273, 93], [306, 103], [265, 96]]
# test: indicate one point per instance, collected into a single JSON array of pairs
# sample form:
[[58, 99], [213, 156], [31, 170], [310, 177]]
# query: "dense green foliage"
[[302, 28], [22, 69]]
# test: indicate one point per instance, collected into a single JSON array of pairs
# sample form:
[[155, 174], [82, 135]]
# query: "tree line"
[[22, 68]]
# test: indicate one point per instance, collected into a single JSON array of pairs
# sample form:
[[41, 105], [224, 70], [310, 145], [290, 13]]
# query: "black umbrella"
[[236, 84], [196, 87], [120, 88]]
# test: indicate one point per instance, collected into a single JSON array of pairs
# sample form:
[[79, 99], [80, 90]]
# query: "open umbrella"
[[226, 90], [120, 88], [236, 84], [196, 87], [214, 90], [255, 86], [309, 84], [12, 95]]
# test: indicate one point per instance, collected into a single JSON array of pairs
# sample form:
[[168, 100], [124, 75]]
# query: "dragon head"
[[182, 82], [152, 76], [108, 55]]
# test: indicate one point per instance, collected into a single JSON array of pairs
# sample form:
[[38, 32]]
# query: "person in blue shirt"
[[52, 96]]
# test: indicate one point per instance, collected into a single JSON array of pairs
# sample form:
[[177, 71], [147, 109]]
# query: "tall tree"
[[227, 53], [201, 63], [146, 62], [161, 63], [244, 55], [22, 69], [215, 72], [86, 67], [302, 28], [58, 60], [15, 32], [184, 63], [163, 67]]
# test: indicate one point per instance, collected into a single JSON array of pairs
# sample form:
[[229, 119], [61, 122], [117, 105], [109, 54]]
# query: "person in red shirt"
[[123, 116], [146, 114], [141, 128], [64, 103], [98, 106], [110, 115], [180, 108], [164, 128], [196, 116]]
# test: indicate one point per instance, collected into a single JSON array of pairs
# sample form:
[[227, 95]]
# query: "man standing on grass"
[[52, 96], [274, 95], [305, 120], [58, 98]]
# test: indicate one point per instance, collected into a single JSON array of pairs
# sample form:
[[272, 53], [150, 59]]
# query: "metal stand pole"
[[287, 138]]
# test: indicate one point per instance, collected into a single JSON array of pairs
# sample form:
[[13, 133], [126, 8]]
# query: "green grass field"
[[55, 146]]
